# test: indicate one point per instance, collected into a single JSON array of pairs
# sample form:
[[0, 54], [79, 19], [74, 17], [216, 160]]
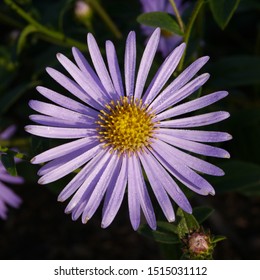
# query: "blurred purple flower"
[[168, 41], [7, 196], [121, 129]]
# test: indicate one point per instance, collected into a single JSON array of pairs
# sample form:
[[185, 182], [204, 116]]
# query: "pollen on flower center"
[[126, 125]]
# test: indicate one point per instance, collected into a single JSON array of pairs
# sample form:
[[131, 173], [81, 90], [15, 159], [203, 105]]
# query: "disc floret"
[[126, 125]]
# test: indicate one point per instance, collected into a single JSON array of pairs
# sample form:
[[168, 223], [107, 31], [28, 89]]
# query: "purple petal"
[[114, 196], [146, 62], [88, 71], [9, 197], [8, 132], [195, 147], [192, 105], [184, 174], [200, 120], [184, 92], [109, 176], [7, 178], [70, 162], [60, 132], [59, 112], [157, 186], [83, 194], [133, 198], [73, 88], [168, 183], [81, 79], [143, 195], [67, 102], [62, 150], [196, 135], [50, 121], [181, 80], [195, 163], [130, 61], [81, 177], [114, 68], [163, 74], [100, 66]]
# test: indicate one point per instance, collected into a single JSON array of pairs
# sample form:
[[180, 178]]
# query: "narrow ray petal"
[[114, 69], [69, 166], [182, 93], [194, 162], [66, 102], [79, 77], [73, 87], [192, 105], [112, 170], [114, 196], [142, 192], [195, 147], [183, 173], [163, 74], [133, 198], [81, 177], [62, 150], [130, 62], [158, 189], [60, 132], [168, 183], [146, 62], [200, 120], [99, 65], [181, 80]]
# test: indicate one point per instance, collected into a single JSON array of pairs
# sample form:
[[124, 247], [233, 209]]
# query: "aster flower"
[[123, 129], [168, 40], [7, 196]]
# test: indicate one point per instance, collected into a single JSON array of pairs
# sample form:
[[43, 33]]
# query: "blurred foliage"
[[32, 32]]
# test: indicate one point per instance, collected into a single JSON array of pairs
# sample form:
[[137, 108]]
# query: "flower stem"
[[105, 17], [190, 24], [57, 36], [177, 14]]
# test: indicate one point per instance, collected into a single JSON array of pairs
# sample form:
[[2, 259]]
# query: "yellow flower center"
[[126, 126]]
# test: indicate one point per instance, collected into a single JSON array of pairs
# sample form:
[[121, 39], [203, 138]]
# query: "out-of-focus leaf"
[[10, 97], [23, 36], [239, 70], [186, 223], [217, 238], [165, 233], [239, 176], [202, 213], [160, 19], [9, 164], [223, 10]]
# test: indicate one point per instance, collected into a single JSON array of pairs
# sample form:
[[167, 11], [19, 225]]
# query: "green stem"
[[57, 36], [177, 14], [190, 24], [105, 17]]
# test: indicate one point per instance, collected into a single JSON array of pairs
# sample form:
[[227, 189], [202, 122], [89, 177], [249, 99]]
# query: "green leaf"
[[23, 36], [202, 213], [9, 164], [233, 71], [217, 238], [163, 20], [165, 233], [239, 176], [223, 10], [186, 223]]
